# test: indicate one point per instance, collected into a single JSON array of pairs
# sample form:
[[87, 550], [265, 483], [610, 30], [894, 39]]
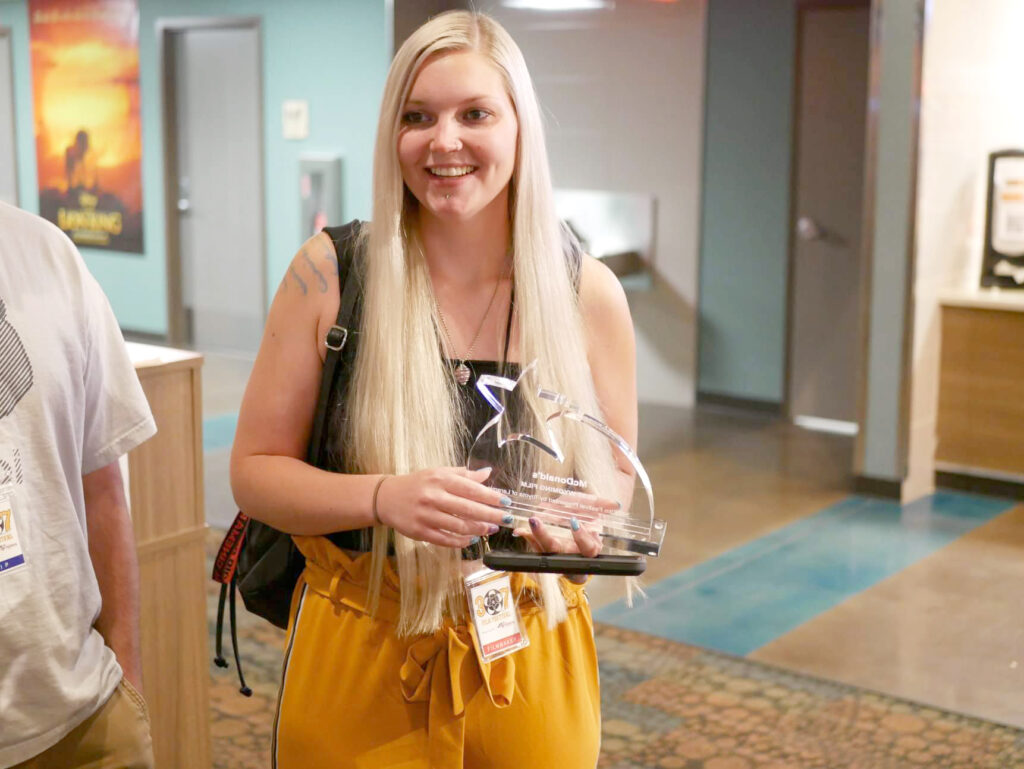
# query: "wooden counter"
[[981, 385], [166, 490]]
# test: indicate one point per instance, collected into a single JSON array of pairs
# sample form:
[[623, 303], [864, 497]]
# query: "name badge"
[[11, 555], [495, 614]]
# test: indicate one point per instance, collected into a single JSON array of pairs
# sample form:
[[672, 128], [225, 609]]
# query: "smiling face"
[[457, 143]]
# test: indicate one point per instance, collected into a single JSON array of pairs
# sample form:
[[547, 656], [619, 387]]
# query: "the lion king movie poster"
[[85, 86]]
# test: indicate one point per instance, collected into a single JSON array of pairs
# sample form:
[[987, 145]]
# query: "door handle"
[[184, 205], [808, 230]]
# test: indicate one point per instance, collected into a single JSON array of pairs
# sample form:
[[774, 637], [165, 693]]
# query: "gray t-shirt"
[[70, 403]]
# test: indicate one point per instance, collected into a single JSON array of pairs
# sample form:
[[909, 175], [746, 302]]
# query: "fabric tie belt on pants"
[[444, 669]]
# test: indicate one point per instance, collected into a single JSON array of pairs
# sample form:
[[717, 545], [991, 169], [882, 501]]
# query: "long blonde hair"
[[403, 412]]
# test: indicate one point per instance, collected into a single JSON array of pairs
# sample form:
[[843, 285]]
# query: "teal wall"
[[333, 53], [744, 227]]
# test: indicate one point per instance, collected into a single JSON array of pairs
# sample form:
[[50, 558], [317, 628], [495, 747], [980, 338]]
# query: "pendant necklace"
[[461, 370]]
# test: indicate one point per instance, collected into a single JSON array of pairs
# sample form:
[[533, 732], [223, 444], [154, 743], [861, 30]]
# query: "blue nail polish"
[[534, 523], [508, 519], [505, 502], [474, 540], [575, 524]]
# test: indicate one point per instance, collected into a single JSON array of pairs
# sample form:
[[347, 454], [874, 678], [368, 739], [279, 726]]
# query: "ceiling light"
[[560, 5]]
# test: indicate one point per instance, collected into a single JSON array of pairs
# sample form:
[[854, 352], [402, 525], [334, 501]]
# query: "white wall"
[[624, 93], [972, 104]]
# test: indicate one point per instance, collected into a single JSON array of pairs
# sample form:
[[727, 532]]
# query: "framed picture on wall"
[[85, 89], [1003, 256]]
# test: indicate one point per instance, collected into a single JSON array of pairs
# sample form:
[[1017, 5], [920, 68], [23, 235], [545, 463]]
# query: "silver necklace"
[[461, 370]]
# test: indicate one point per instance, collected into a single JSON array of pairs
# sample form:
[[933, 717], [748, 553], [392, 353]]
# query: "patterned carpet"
[[667, 705]]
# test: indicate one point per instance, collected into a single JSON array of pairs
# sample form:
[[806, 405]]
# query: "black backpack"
[[260, 562]]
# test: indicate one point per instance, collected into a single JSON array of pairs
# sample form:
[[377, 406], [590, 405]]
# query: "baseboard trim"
[[979, 484], [877, 487], [744, 404]]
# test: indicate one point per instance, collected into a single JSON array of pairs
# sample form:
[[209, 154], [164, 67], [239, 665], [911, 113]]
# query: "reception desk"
[[165, 480], [981, 386]]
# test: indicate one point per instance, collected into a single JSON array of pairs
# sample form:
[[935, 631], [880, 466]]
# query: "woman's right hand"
[[446, 506]]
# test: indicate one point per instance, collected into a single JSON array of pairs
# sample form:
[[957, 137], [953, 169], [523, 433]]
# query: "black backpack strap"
[[340, 334], [345, 239]]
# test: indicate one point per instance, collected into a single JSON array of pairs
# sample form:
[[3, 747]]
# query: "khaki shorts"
[[114, 737]]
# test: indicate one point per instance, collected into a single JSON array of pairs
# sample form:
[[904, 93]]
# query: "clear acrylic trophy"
[[523, 444]]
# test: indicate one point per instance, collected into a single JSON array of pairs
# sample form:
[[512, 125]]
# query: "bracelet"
[[376, 490]]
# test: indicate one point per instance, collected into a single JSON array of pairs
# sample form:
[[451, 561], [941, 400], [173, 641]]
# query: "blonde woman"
[[463, 270]]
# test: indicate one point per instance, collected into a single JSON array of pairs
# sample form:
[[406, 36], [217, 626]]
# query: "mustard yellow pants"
[[355, 696]]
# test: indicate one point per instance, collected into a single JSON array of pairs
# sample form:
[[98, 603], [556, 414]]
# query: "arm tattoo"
[[320, 279], [300, 281], [329, 257]]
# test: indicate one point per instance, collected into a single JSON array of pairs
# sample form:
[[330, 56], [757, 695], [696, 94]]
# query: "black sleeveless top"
[[475, 410]]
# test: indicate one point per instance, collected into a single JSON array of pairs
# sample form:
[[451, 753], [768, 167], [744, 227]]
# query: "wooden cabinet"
[[166, 490], [981, 388]]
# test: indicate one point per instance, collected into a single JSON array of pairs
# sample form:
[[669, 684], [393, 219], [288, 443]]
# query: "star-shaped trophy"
[[523, 444]]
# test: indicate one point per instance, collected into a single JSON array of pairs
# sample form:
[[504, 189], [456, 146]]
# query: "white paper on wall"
[[1008, 206]]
